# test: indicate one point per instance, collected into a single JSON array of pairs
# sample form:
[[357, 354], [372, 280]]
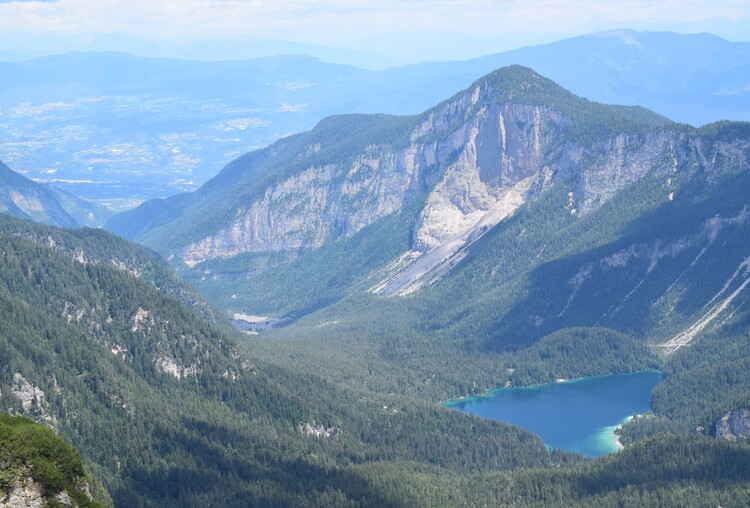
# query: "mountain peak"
[[518, 84]]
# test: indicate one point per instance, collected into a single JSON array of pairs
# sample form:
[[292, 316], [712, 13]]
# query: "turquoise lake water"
[[578, 415]]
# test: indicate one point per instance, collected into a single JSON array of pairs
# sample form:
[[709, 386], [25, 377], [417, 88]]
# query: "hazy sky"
[[399, 29]]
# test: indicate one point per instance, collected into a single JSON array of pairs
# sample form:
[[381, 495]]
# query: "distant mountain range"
[[115, 127], [695, 79], [30, 46]]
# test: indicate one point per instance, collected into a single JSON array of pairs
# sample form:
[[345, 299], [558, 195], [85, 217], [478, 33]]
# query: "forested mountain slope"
[[167, 411]]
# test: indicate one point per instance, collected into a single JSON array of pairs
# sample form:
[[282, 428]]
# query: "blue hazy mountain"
[[27, 199], [121, 129]]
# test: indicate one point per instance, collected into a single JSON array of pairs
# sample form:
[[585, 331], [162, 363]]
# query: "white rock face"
[[29, 394], [170, 366], [733, 426], [25, 494], [458, 201], [29, 203], [33, 400], [140, 320], [498, 169], [501, 146], [313, 206], [319, 430], [425, 268], [621, 161]]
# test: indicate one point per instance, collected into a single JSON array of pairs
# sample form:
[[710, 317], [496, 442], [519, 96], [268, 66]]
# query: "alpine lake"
[[578, 415]]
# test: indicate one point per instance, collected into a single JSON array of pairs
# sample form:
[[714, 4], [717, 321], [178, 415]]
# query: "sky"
[[400, 30]]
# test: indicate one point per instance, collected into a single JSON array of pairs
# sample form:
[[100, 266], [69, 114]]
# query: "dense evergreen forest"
[[230, 430], [166, 410]]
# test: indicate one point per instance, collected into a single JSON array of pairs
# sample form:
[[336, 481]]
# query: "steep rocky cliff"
[[38, 469], [468, 163], [476, 157]]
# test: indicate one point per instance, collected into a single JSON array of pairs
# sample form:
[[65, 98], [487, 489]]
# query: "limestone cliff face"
[[499, 146], [472, 151], [27, 493], [324, 202]]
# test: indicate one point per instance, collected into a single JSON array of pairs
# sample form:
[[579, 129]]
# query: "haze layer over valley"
[[118, 129]]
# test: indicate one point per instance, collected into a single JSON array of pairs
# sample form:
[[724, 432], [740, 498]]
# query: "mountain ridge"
[[567, 238], [211, 112], [27, 199], [420, 147]]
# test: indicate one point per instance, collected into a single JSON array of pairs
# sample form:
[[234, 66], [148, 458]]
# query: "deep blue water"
[[578, 415]]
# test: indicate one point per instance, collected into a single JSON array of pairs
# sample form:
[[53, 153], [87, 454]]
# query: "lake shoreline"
[[580, 415], [489, 392]]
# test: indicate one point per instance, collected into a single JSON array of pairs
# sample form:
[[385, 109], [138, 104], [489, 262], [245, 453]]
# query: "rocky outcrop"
[[733, 426], [29, 394], [318, 429], [26, 493], [33, 400], [170, 366], [501, 145]]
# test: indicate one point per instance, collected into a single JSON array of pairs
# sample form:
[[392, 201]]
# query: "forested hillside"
[[165, 408], [167, 412]]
